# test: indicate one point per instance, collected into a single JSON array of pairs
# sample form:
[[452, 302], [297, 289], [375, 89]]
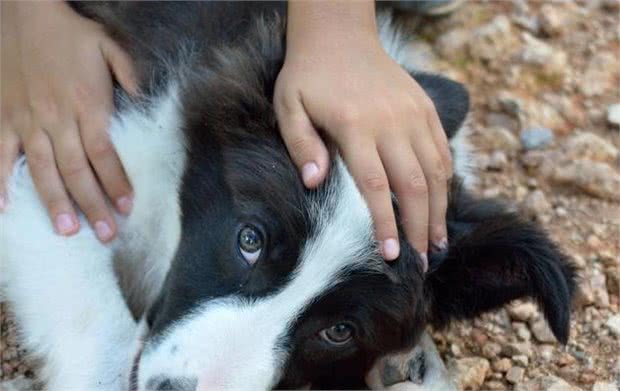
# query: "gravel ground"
[[545, 84]]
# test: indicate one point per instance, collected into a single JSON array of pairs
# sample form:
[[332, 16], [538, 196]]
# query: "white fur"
[[64, 291]]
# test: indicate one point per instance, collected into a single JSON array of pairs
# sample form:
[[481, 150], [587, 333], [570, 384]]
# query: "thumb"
[[303, 142], [122, 66]]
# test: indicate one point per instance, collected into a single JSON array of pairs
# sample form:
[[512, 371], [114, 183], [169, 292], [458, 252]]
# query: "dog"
[[229, 274]]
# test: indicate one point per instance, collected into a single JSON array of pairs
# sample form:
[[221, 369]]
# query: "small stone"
[[516, 348], [565, 359], [502, 365], [597, 79], [613, 114], [604, 386], [535, 204], [452, 44], [497, 161], [545, 383], [545, 352], [497, 137], [522, 311], [536, 138], [469, 372], [551, 20], [613, 324], [491, 350], [587, 378], [594, 242], [520, 360], [522, 331], [550, 60], [595, 178], [491, 40], [541, 331], [586, 145], [515, 375], [494, 385], [598, 283]]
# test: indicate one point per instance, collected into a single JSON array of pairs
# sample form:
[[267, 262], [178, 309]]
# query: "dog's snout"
[[165, 383]]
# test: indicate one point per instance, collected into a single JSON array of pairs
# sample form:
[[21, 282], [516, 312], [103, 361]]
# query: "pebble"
[[516, 348], [587, 145], [536, 138], [613, 324], [491, 350], [521, 360], [522, 331], [594, 178], [551, 20], [604, 386], [499, 138], [598, 283], [549, 60], [469, 372], [522, 311], [545, 352], [491, 40], [515, 375], [502, 365], [545, 383], [597, 79], [497, 161], [613, 115], [494, 385], [541, 331], [535, 204], [452, 44]]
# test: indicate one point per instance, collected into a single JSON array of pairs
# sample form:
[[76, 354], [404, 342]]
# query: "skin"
[[386, 127], [56, 108], [57, 70]]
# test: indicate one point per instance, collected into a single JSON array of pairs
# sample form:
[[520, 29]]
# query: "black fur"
[[239, 172]]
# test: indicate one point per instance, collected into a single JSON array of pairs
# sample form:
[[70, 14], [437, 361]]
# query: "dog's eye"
[[250, 243], [338, 334]]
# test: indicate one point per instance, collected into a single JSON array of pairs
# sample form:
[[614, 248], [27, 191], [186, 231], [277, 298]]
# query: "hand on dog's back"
[[57, 99], [337, 78]]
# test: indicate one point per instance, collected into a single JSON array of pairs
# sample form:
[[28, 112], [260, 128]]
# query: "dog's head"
[[276, 285]]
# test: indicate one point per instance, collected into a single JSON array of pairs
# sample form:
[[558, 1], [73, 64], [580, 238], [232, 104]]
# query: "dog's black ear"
[[495, 257], [451, 100]]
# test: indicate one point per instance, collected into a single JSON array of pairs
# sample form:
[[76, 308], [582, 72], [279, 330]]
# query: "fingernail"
[[309, 171], [424, 259], [441, 245], [390, 249], [124, 204], [2, 202], [103, 230], [65, 224]]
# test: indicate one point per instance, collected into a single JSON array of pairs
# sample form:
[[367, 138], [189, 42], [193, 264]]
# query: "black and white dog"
[[229, 274]]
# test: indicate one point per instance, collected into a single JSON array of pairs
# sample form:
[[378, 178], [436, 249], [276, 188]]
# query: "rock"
[[499, 138], [497, 161], [551, 61], [501, 120], [613, 324], [551, 20], [613, 115], [597, 79], [535, 204], [452, 44], [469, 372], [491, 350], [18, 384], [515, 375], [494, 385], [517, 348], [545, 383], [522, 331], [586, 145], [541, 331], [595, 178], [508, 103], [520, 360], [545, 352], [502, 365], [598, 283], [604, 386], [491, 40], [536, 138]]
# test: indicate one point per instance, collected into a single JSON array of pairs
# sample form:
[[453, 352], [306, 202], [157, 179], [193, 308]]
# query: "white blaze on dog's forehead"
[[237, 343]]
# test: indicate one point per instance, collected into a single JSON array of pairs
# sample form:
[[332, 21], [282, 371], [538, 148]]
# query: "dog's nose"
[[165, 383]]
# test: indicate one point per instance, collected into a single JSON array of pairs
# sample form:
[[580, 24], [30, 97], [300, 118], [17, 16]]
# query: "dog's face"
[[276, 285]]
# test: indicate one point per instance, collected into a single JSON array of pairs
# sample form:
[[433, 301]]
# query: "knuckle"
[[438, 176], [46, 109], [38, 155], [414, 185], [375, 182], [347, 117], [99, 148], [73, 166]]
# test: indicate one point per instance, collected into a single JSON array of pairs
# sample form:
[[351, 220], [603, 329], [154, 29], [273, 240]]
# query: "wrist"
[[329, 25]]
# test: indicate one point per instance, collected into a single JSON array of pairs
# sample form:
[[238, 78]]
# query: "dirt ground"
[[544, 78]]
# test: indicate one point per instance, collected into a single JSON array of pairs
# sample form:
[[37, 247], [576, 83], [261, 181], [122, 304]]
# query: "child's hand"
[[56, 104], [384, 124]]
